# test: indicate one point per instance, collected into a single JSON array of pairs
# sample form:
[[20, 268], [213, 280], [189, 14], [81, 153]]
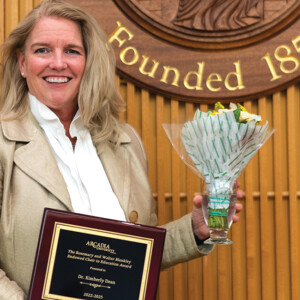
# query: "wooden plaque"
[[84, 257]]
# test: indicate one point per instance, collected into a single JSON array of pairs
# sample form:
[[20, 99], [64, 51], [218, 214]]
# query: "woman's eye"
[[41, 50], [72, 51]]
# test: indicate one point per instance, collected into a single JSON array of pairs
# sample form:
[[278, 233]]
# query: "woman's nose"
[[58, 62]]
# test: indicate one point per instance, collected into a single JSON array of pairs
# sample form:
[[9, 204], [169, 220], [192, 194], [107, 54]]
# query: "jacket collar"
[[20, 130], [116, 163]]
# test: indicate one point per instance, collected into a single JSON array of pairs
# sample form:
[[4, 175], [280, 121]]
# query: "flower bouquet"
[[217, 145]]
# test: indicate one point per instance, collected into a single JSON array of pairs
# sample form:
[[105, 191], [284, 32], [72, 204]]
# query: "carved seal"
[[203, 23], [203, 50]]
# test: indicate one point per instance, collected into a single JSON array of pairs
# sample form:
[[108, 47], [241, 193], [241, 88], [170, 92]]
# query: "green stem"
[[217, 218]]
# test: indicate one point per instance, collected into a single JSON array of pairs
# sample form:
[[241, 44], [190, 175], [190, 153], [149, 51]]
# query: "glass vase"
[[218, 211]]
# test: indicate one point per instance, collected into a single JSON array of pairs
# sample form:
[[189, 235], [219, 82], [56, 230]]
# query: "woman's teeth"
[[57, 79]]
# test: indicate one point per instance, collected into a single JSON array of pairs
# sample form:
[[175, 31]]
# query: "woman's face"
[[53, 63]]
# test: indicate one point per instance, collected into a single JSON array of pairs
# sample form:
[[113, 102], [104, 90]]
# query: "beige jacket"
[[30, 181]]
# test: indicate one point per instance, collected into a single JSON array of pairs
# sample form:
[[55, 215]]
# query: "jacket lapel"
[[34, 156], [116, 164]]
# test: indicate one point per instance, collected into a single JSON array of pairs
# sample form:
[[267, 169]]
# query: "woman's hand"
[[199, 226]]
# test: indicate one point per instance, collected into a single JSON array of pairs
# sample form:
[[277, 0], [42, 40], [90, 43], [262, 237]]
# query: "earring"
[[23, 74]]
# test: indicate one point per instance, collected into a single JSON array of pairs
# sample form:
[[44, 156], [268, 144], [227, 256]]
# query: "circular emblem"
[[203, 50], [211, 24]]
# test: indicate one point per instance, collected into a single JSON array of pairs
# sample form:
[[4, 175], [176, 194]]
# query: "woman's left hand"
[[199, 226]]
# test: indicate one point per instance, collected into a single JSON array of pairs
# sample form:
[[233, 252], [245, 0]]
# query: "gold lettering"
[[134, 59], [283, 59], [199, 76], [295, 43], [238, 75], [155, 65], [176, 72], [115, 35], [272, 69], [213, 77]]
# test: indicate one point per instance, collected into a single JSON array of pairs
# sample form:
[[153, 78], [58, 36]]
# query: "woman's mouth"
[[57, 79]]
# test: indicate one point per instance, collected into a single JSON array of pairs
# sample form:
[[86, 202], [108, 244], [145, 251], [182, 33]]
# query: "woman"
[[61, 145]]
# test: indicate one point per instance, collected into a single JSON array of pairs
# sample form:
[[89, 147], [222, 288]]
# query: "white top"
[[81, 168]]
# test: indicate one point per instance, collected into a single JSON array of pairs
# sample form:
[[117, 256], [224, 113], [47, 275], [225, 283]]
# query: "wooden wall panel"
[[25, 7], [266, 208], [2, 13], [263, 263], [281, 236], [259, 264], [292, 132], [11, 10], [178, 271]]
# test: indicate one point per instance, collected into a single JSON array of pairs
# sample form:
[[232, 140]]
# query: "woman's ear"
[[21, 61]]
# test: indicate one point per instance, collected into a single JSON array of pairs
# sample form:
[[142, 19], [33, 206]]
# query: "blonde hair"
[[98, 99]]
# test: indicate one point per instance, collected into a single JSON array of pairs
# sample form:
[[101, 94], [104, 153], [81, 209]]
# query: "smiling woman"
[[53, 63], [97, 85]]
